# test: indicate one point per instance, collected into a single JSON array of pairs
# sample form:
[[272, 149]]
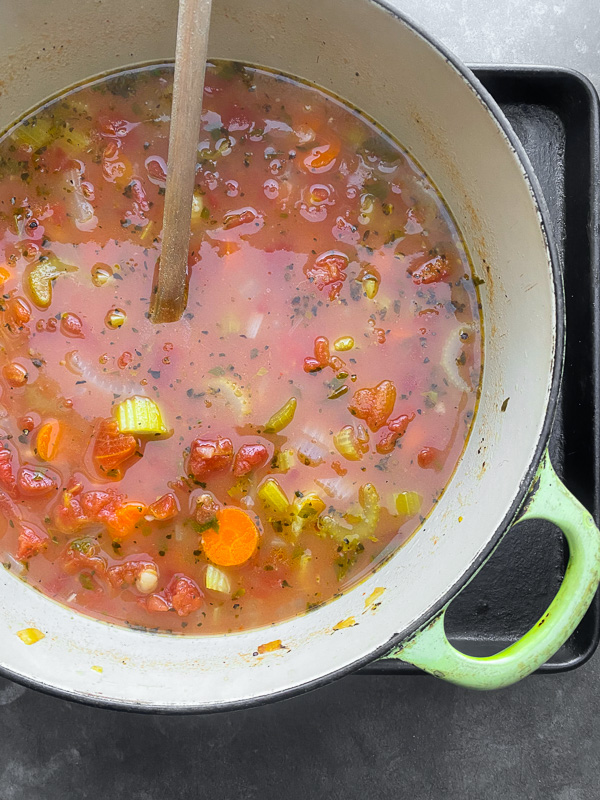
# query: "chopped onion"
[[216, 580], [147, 581], [451, 352], [350, 443], [341, 488], [15, 566], [273, 496], [342, 529], [254, 324], [90, 374], [157, 170], [232, 395], [73, 362], [179, 533], [80, 209], [310, 452]]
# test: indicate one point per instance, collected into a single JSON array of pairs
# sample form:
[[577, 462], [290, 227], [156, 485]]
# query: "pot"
[[376, 59]]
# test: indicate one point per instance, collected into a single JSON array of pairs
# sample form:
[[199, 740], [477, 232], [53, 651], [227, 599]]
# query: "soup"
[[249, 462]]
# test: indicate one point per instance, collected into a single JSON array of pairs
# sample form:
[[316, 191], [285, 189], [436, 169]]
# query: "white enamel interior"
[[359, 50]]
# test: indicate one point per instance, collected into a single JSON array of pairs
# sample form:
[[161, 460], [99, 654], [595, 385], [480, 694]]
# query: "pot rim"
[[434, 609]]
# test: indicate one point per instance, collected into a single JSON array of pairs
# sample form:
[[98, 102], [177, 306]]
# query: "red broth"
[[251, 461]]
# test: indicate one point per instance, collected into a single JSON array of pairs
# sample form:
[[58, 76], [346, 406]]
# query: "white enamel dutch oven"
[[377, 60]]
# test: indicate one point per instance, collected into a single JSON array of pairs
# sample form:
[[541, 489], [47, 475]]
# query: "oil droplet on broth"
[[101, 274], [115, 318]]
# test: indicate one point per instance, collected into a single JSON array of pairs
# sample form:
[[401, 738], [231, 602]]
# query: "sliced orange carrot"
[[47, 440], [112, 448], [233, 539], [270, 647], [125, 518]]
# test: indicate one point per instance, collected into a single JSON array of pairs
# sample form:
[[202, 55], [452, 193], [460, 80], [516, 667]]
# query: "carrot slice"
[[47, 440], [112, 448], [233, 540], [125, 518]]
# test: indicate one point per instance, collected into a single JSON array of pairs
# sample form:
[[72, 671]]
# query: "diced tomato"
[[433, 271], [328, 271], [31, 542], [68, 515], [157, 602], [83, 554], [136, 191], [312, 364], [182, 594], [249, 457], [113, 126], [106, 507], [431, 458], [7, 508], [156, 169], [322, 353], [110, 508], [185, 595], [206, 508], [7, 476], [92, 503], [209, 455], [396, 428], [111, 448], [127, 572], [322, 358], [165, 507], [243, 217], [374, 405], [33, 482], [71, 325]]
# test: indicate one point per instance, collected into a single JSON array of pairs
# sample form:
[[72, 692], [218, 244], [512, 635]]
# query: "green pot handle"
[[430, 650]]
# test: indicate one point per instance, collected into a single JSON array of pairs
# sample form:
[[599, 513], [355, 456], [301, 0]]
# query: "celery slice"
[[141, 416], [40, 276], [273, 496], [35, 132], [216, 580], [345, 529], [305, 509], [231, 394], [282, 418], [407, 503]]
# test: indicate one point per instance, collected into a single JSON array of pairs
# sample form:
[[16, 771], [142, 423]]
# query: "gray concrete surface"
[[363, 737], [559, 33]]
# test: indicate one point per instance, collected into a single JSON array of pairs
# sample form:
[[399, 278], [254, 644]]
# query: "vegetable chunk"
[[233, 540]]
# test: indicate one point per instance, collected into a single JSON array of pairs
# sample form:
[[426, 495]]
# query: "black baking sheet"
[[555, 115]]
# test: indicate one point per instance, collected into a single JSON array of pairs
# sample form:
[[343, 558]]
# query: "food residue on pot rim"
[[30, 635], [373, 597], [345, 623], [269, 647]]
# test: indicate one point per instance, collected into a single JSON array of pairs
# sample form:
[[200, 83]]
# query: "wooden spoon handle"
[[169, 294]]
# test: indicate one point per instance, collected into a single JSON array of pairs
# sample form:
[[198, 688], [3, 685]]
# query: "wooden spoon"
[[169, 294]]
